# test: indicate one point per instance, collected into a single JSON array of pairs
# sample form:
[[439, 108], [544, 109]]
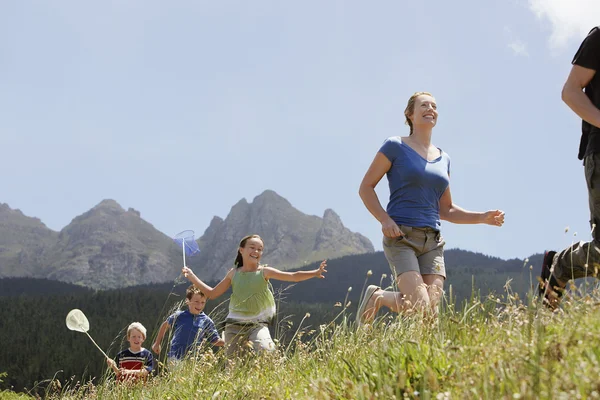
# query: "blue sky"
[[180, 109]]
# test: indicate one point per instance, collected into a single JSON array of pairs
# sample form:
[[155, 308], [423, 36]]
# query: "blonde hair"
[[410, 108], [138, 326]]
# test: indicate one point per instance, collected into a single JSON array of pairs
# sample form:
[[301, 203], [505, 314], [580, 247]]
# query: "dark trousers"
[[583, 259]]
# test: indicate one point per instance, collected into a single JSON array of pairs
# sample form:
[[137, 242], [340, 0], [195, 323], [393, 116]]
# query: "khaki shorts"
[[420, 250], [256, 335]]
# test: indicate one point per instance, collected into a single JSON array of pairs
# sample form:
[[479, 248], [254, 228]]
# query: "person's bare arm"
[[161, 334], [113, 365], [131, 373], [453, 213], [298, 276], [211, 293], [576, 99], [379, 167]]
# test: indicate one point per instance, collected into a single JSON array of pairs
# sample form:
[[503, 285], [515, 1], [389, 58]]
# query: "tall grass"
[[492, 348]]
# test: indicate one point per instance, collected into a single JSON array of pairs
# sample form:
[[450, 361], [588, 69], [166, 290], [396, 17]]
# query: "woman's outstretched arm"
[[453, 213]]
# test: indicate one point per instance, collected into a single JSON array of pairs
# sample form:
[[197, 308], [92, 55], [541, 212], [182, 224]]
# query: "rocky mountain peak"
[[270, 198], [330, 216], [333, 236], [109, 247], [23, 243], [17, 218], [108, 204], [291, 237], [240, 207]]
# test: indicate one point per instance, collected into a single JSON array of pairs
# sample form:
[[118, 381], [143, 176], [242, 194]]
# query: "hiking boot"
[[547, 279]]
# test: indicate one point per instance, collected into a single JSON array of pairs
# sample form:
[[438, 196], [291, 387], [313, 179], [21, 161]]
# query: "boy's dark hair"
[[191, 291]]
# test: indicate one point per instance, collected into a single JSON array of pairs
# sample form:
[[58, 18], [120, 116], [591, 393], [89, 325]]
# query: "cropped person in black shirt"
[[581, 92]]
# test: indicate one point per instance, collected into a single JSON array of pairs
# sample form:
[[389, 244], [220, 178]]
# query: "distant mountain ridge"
[[291, 237], [24, 242], [110, 247]]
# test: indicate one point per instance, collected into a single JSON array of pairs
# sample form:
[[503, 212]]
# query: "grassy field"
[[494, 348]]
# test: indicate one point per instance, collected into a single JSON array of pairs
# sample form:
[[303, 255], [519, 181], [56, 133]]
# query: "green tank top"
[[251, 299]]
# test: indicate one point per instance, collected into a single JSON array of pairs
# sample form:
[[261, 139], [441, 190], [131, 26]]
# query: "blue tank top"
[[416, 185]]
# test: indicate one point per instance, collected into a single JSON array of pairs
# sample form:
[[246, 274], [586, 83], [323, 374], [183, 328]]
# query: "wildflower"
[[350, 289], [307, 315], [369, 273], [338, 304]]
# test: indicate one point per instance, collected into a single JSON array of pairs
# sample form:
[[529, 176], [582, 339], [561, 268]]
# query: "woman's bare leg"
[[412, 294], [435, 289], [414, 290]]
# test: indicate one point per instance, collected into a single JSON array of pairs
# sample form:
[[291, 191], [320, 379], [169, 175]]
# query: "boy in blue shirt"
[[190, 327]]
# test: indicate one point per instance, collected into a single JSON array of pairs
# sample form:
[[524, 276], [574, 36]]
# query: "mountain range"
[[291, 238], [110, 247]]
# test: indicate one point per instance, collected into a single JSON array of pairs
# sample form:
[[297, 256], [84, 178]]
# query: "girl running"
[[251, 306]]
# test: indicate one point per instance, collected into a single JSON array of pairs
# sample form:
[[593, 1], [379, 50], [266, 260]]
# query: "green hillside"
[[489, 349], [39, 307]]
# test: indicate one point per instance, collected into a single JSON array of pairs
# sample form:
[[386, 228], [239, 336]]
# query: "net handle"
[[183, 250], [96, 344]]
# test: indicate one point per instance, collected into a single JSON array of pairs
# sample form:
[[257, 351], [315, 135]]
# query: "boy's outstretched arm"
[[113, 365], [213, 333], [298, 276], [156, 346], [209, 292]]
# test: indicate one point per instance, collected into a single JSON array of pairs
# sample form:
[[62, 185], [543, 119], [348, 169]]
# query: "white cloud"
[[515, 44], [518, 47], [570, 19]]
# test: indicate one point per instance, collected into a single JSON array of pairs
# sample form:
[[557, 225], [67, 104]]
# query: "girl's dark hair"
[[239, 262]]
